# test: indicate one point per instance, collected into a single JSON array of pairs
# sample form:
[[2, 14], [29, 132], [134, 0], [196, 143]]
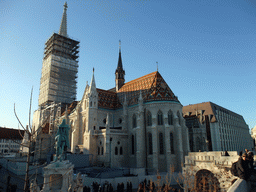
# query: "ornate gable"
[[152, 86], [159, 90]]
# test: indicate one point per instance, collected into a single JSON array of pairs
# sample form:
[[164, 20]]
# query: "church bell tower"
[[60, 67], [119, 71]]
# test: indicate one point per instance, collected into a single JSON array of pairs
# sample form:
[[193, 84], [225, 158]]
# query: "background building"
[[10, 140], [214, 128], [253, 134]]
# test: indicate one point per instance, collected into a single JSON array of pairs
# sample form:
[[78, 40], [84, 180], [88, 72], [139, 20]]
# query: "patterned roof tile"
[[152, 86]]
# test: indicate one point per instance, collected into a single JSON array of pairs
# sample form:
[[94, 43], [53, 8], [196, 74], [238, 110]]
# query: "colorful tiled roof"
[[69, 109], [108, 99], [7, 133], [152, 86]]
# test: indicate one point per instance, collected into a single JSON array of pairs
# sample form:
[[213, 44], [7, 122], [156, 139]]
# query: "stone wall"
[[215, 164]]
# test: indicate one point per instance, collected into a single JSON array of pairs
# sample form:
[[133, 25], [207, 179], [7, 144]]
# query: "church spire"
[[63, 25], [119, 71], [120, 64], [93, 84]]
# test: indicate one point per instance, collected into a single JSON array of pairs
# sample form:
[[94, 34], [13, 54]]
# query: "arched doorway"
[[206, 181]]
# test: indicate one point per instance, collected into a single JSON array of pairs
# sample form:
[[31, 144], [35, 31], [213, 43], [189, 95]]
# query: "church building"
[[136, 124]]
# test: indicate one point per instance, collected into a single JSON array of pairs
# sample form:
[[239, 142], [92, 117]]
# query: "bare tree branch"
[[29, 123], [18, 118]]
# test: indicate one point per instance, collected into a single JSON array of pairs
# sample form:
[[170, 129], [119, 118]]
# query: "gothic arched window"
[[121, 150], [149, 119], [98, 150], [170, 118], [133, 145], [102, 150], [85, 125], [150, 144], [171, 143], [160, 118], [116, 151], [161, 143], [178, 115], [134, 121]]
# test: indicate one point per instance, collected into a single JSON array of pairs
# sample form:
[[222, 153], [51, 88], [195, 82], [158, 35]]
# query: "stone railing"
[[239, 185]]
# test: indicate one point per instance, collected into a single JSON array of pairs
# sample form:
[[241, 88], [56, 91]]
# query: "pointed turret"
[[92, 93], [93, 84], [119, 71], [63, 25], [120, 64]]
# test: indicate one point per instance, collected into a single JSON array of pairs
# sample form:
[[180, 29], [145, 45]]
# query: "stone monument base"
[[58, 176]]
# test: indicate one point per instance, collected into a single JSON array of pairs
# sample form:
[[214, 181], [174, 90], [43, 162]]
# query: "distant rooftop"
[[8, 133]]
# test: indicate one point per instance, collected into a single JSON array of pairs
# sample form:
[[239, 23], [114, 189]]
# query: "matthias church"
[[136, 124]]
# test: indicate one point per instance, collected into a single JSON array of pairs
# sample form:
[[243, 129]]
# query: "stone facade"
[[58, 176], [210, 170], [253, 134]]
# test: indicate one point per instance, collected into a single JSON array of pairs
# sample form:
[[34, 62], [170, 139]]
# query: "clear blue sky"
[[206, 49]]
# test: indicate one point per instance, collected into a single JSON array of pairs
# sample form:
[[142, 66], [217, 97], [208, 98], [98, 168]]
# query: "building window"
[[178, 115], [98, 150], [102, 150], [160, 118], [134, 121], [121, 150], [171, 143], [161, 143], [116, 151], [133, 145], [170, 118], [149, 119], [150, 146]]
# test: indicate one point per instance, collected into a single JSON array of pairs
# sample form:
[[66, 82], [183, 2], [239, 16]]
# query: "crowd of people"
[[107, 187], [149, 186]]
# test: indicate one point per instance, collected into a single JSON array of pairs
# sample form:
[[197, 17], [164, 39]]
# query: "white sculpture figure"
[[79, 183], [33, 186]]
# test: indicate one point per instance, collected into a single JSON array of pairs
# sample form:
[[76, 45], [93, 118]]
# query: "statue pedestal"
[[58, 176]]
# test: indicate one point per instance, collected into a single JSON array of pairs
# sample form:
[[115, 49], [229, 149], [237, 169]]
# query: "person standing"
[[242, 167]]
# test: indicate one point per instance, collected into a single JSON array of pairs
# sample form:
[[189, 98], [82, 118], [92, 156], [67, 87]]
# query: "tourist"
[[242, 167]]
